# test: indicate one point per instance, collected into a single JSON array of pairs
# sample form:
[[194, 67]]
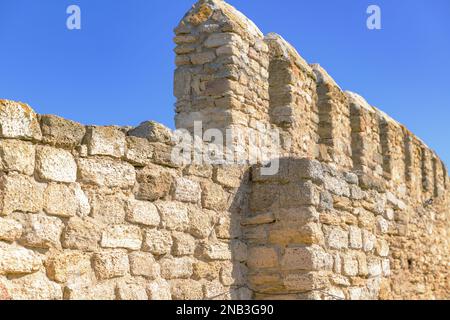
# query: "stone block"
[[174, 215], [186, 289], [200, 224], [18, 261], [101, 291], [229, 176], [176, 268], [65, 266], [81, 234], [158, 242], [35, 287], [131, 291], [187, 190], [144, 213], [41, 231], [355, 237], [108, 209], [18, 156], [60, 132], [144, 265], [216, 251], [10, 230], [154, 182], [153, 132], [66, 200], [111, 264], [18, 121], [350, 265], [54, 164], [105, 141], [262, 258], [159, 290], [305, 258], [214, 196], [336, 238], [106, 172], [183, 244], [122, 236], [139, 151]]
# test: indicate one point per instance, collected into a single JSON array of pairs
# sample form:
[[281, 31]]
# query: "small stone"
[[157, 242], [183, 244], [122, 236], [16, 155], [228, 176], [107, 172], [351, 178], [159, 290], [60, 132], [42, 231], [64, 266], [10, 230], [66, 200], [186, 289], [18, 121], [187, 190], [206, 270], [17, 260], [174, 215], [55, 164], [382, 225], [144, 264], [105, 141], [382, 248], [81, 234], [214, 290], [368, 241], [374, 267], [143, 212], [350, 265], [108, 265], [176, 268]]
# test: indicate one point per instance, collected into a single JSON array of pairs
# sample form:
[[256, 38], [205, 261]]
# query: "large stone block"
[[186, 289], [306, 258], [153, 132], [111, 264], [60, 132], [131, 291], [299, 194], [144, 264], [18, 120], [16, 260], [68, 265], [101, 291], [139, 151], [200, 223], [17, 156], [143, 212], [41, 231], [35, 287], [108, 209], [122, 236], [107, 172], [174, 215], [214, 196], [55, 164], [20, 193], [216, 251], [154, 182], [187, 190], [105, 141], [262, 257], [336, 238], [176, 268], [66, 200], [82, 234], [159, 290], [158, 242], [10, 230], [183, 244]]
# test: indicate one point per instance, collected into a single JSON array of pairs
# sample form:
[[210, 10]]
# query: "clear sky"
[[118, 69]]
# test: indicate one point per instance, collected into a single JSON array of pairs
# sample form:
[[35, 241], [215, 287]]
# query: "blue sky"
[[118, 69]]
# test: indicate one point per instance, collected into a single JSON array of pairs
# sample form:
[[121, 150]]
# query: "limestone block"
[[105, 141], [17, 260], [174, 215], [306, 169], [299, 194], [206, 270], [35, 287], [214, 290], [107, 172], [336, 238], [386, 267], [65, 266], [262, 257], [55, 164], [153, 132], [110, 264], [183, 244], [131, 291], [306, 258], [368, 241], [186, 289], [16, 155], [154, 182], [216, 251], [60, 132], [304, 281], [374, 266], [382, 225], [143, 212], [350, 265], [337, 186], [122, 236], [202, 57], [216, 40], [10, 230], [41, 231], [204, 171], [200, 224], [159, 290], [144, 264], [19, 121], [158, 242], [176, 268], [214, 197], [139, 151], [355, 237], [81, 234], [101, 291], [20, 193], [382, 248], [229, 176], [66, 200], [187, 190], [108, 209]]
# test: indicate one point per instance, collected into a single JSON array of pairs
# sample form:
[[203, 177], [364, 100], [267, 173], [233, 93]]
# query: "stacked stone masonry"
[[359, 208]]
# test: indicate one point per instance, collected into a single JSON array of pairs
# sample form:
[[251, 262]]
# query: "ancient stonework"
[[359, 208]]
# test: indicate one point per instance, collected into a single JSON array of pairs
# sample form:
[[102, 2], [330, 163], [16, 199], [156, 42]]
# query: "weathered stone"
[[110, 264], [187, 190], [108, 209], [382, 248], [122, 236], [374, 266], [139, 151], [18, 120], [228, 176], [306, 169], [202, 57], [216, 251], [154, 183], [220, 39], [262, 257], [304, 281], [42, 231], [16, 155], [55, 164], [205, 270], [17, 260], [144, 264], [159, 290], [186, 289], [200, 223], [368, 241], [300, 194], [10, 230], [355, 237], [153, 132], [64, 266], [66, 200], [305, 258], [336, 238], [106, 172], [157, 242], [174, 215], [105, 141], [35, 287], [214, 290], [350, 265], [101, 291], [60, 132], [131, 291], [214, 197], [143, 212], [81, 234], [176, 268], [183, 244], [20, 193]]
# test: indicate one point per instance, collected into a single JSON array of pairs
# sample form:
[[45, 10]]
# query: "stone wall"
[[359, 208]]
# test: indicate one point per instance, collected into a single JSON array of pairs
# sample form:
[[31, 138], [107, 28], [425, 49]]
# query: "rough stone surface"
[[105, 141], [107, 172], [55, 165], [60, 132]]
